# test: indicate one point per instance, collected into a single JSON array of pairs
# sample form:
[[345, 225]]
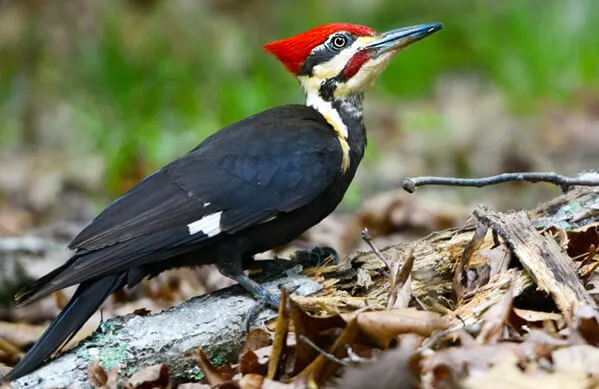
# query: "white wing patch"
[[208, 225]]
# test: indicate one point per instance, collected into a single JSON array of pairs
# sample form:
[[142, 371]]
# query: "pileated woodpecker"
[[254, 185]]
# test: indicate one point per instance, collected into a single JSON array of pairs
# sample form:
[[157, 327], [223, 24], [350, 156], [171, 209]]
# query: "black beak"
[[395, 40]]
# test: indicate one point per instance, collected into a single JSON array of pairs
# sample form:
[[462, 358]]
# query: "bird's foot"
[[318, 256], [263, 297]]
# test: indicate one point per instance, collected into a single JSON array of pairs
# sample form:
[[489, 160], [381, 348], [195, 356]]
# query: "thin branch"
[[365, 235], [587, 179], [321, 351]]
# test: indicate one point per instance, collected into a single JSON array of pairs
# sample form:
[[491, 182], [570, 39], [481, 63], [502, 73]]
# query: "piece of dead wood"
[[435, 259], [214, 322], [551, 268]]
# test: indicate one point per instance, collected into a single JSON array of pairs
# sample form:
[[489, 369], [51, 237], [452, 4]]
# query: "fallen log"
[[214, 322]]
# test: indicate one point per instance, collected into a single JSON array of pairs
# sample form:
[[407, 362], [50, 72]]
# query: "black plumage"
[[272, 175]]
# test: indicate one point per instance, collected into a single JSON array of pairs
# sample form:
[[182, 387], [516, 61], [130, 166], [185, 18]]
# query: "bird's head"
[[338, 60]]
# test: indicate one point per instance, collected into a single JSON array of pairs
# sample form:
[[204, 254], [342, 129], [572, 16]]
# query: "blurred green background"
[[506, 85]]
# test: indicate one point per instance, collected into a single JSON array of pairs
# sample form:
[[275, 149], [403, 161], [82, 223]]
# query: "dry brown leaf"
[[384, 326], [586, 320], [251, 381], [256, 339], [393, 369], [97, 375], [280, 340], [495, 318], [310, 327], [322, 368], [461, 362], [534, 316], [213, 376], [249, 363], [304, 354], [580, 241], [578, 357], [541, 337], [506, 374], [151, 377]]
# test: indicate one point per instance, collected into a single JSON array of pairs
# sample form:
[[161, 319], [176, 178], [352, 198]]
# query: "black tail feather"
[[33, 291], [86, 300]]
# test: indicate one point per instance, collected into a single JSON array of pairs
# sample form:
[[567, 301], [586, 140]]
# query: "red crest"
[[292, 52]]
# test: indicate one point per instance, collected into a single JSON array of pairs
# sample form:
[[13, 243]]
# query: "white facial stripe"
[[335, 65], [208, 225]]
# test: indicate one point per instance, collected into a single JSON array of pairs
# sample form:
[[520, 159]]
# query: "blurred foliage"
[[144, 81]]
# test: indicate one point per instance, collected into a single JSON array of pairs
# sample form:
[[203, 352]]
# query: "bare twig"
[[365, 235], [589, 179], [327, 355]]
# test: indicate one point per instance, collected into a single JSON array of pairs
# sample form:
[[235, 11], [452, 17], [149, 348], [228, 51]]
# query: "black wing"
[[273, 162]]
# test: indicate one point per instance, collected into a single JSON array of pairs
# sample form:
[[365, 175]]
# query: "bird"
[[252, 186]]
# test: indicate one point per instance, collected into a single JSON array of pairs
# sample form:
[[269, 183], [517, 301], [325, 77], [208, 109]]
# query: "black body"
[[272, 175]]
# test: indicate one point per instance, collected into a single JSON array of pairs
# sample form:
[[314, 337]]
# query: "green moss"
[[112, 351]]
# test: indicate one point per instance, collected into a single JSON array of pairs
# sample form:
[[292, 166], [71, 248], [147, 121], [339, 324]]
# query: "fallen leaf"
[[322, 368], [151, 377], [461, 362], [578, 357], [506, 374], [542, 337], [393, 369], [212, 374], [250, 364], [534, 316], [310, 327], [384, 326], [256, 339], [97, 375], [251, 381], [580, 241], [586, 320], [279, 342]]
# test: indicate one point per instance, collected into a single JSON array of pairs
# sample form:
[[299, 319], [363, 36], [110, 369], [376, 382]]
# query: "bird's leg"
[[233, 269]]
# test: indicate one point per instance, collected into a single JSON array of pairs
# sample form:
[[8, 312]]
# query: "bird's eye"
[[339, 41]]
